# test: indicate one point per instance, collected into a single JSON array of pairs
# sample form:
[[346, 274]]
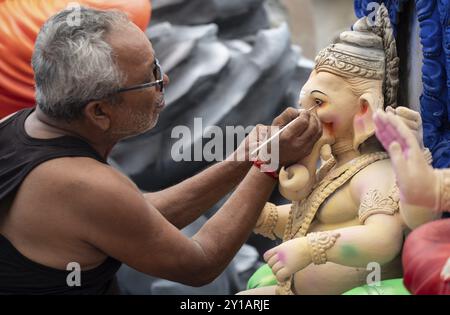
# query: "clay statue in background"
[[344, 217], [426, 255], [419, 183]]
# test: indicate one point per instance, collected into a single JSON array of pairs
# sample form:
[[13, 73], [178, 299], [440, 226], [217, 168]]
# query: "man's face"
[[138, 110]]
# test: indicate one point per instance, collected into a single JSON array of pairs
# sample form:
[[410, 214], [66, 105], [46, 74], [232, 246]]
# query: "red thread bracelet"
[[272, 174]]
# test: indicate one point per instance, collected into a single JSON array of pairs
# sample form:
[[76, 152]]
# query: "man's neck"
[[39, 125]]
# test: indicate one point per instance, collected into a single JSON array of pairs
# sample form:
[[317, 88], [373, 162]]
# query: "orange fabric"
[[20, 21]]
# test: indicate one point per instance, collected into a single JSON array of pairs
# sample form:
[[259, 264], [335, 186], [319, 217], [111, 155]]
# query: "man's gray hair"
[[74, 64]]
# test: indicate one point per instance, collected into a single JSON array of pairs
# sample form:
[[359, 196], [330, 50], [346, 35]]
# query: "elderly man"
[[60, 203]]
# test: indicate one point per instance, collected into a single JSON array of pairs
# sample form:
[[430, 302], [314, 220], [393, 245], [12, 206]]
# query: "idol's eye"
[[318, 102]]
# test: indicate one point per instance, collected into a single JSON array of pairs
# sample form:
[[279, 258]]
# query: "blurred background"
[[313, 23]]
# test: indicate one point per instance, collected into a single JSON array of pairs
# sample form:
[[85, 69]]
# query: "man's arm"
[[184, 203], [115, 218]]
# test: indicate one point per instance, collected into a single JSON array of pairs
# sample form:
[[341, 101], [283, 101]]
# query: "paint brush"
[[279, 131]]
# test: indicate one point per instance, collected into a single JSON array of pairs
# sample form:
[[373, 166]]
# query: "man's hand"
[[255, 138], [294, 143], [297, 141]]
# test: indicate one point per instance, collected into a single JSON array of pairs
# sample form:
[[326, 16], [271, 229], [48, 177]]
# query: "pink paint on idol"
[[282, 257], [400, 139], [385, 138], [380, 135], [359, 121], [404, 145], [405, 148]]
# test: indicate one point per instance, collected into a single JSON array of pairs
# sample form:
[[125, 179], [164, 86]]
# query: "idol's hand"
[[288, 258], [417, 181]]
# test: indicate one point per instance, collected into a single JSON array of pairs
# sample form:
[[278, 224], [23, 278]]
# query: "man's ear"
[[363, 125], [98, 113]]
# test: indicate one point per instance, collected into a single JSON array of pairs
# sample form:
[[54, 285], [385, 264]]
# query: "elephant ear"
[[363, 124]]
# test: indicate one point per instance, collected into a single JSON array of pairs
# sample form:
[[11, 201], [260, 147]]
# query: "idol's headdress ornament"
[[367, 51]]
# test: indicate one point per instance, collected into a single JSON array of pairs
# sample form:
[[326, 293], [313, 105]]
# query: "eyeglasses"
[[159, 76], [157, 72]]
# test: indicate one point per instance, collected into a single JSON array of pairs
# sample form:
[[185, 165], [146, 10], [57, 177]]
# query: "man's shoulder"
[[77, 178], [69, 168], [2, 120]]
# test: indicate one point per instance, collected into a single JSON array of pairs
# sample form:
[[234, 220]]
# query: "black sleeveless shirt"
[[19, 155]]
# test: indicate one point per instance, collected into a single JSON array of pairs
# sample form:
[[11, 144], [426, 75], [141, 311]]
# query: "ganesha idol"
[[346, 216]]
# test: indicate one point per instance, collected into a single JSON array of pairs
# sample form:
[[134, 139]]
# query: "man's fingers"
[[312, 132], [298, 126], [286, 117], [262, 133]]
